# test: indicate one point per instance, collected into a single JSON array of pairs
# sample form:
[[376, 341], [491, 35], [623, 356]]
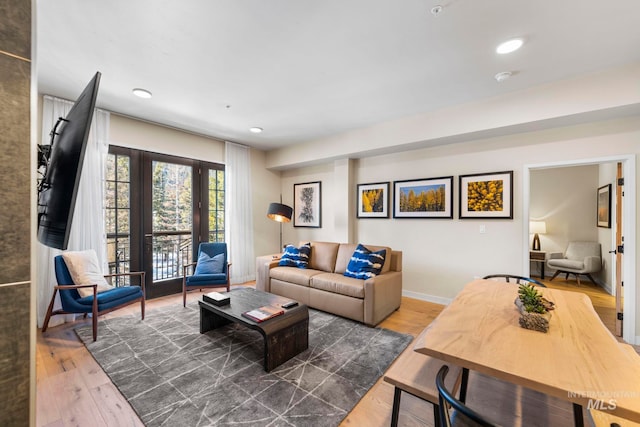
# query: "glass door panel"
[[170, 240], [216, 205], [118, 215]]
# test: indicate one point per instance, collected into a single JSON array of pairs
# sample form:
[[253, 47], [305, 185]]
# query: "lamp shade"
[[279, 212], [537, 227]]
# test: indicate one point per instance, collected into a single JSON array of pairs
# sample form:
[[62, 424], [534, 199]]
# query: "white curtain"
[[87, 226], [239, 212]]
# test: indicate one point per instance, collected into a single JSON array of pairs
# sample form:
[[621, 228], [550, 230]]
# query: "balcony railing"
[[171, 250]]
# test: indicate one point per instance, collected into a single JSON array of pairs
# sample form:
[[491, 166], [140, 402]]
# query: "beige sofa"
[[323, 286]]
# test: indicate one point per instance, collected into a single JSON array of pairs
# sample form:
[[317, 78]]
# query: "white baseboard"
[[426, 297]]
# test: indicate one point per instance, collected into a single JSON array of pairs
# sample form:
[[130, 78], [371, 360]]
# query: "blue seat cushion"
[[120, 295], [207, 279]]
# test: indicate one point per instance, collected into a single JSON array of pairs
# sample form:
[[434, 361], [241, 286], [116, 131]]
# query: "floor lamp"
[[280, 213]]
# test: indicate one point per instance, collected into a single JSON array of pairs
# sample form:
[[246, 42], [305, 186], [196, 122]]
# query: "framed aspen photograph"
[[373, 200], [604, 206], [423, 198], [486, 195], [307, 207]]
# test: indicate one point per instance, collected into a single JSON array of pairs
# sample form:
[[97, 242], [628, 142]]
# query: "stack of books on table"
[[263, 313], [216, 298]]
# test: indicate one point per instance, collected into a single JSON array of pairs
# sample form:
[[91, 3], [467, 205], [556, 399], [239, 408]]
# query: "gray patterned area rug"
[[174, 376]]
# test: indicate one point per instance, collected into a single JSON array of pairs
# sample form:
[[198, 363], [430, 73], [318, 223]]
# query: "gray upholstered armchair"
[[579, 258]]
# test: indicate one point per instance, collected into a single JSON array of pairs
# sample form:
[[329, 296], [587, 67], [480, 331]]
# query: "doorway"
[[607, 236], [158, 209]]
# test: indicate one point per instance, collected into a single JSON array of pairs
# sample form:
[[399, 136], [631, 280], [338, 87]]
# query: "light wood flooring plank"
[[75, 402], [115, 409]]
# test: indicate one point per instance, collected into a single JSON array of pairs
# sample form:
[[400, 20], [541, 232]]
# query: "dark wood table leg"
[[283, 344], [463, 385], [210, 320], [397, 393], [578, 420], [542, 270]]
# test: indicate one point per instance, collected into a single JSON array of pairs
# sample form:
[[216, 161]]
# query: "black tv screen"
[[58, 189]]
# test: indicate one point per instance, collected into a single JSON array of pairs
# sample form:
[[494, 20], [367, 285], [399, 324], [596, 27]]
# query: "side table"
[[539, 257]]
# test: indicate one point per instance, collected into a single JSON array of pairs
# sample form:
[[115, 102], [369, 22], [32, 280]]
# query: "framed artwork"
[[373, 200], [423, 198], [604, 206], [486, 196], [307, 204]]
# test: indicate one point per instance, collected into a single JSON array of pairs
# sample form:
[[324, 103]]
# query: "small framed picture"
[[307, 206], [373, 200], [604, 206], [423, 198], [486, 196]]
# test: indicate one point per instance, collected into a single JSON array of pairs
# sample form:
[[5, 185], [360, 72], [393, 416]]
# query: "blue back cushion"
[[365, 264], [209, 264], [296, 257]]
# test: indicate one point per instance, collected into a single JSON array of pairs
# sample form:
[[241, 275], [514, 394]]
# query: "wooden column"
[[16, 335]]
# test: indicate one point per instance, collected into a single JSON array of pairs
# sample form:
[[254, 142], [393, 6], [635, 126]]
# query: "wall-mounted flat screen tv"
[[59, 186]]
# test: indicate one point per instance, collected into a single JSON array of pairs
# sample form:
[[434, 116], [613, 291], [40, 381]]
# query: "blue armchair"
[[212, 270], [96, 304]]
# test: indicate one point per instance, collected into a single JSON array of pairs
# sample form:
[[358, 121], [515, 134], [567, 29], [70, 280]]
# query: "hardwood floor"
[[72, 389], [603, 303]]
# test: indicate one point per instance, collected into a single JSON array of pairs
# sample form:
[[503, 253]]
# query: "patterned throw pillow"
[[296, 257], [365, 264]]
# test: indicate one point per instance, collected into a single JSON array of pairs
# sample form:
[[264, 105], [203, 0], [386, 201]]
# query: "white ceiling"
[[308, 69]]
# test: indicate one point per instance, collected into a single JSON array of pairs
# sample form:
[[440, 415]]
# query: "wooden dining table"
[[577, 359]]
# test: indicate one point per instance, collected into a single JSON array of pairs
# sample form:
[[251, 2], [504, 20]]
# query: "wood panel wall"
[[15, 215]]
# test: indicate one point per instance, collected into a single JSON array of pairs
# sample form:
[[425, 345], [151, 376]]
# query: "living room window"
[[158, 209], [118, 214]]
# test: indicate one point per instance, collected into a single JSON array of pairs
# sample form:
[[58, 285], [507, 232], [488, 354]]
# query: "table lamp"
[[537, 227], [280, 213]]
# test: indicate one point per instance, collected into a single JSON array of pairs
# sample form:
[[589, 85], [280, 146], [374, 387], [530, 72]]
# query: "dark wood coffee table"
[[285, 335]]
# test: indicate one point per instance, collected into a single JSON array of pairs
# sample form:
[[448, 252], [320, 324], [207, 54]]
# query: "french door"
[[164, 207]]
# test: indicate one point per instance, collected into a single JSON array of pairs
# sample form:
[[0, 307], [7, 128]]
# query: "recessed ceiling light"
[[435, 10], [502, 76], [142, 93], [509, 46], [255, 129]]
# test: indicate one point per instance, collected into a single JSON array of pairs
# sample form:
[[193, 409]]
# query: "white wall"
[[565, 198], [131, 133], [440, 256]]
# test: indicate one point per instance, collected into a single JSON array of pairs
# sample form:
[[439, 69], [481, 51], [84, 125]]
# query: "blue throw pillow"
[[365, 264], [210, 265], [296, 257]]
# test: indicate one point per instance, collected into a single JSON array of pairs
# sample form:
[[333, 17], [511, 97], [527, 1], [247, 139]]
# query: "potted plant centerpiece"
[[534, 308]]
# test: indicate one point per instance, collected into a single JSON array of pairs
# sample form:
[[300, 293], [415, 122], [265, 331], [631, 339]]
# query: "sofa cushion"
[[296, 257], [338, 284], [323, 256], [346, 250], [566, 263], [299, 276], [365, 264]]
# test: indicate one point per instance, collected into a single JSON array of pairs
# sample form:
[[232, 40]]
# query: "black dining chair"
[[460, 415], [517, 279]]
